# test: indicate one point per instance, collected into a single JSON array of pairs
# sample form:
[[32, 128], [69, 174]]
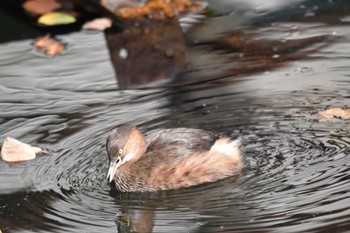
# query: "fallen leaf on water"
[[49, 45], [98, 24], [335, 112], [13, 150], [56, 18], [40, 7]]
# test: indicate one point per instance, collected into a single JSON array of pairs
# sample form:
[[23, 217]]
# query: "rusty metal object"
[[150, 48], [151, 52]]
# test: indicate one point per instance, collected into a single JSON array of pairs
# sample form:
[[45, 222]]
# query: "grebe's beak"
[[111, 171], [113, 168]]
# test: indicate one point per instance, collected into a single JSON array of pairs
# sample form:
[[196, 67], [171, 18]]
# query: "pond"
[[297, 165]]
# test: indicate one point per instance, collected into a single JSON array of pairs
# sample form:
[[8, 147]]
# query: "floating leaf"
[[49, 45], [40, 7], [98, 24], [56, 18], [335, 113], [13, 150]]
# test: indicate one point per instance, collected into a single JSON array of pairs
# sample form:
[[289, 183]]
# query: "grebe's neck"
[[136, 146]]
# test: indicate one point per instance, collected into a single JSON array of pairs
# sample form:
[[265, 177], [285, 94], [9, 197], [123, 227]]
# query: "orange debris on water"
[[49, 45], [335, 112], [158, 9]]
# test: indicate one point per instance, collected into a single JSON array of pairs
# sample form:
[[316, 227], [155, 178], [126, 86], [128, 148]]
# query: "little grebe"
[[169, 158]]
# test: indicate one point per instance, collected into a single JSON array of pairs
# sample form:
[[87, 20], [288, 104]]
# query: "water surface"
[[296, 175]]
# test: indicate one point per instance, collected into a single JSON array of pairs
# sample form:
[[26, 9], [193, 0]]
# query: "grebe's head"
[[125, 144]]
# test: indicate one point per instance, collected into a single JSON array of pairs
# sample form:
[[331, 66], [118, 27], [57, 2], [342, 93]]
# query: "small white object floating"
[[98, 24], [13, 150]]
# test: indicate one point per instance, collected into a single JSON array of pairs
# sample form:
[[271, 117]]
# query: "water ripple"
[[296, 174]]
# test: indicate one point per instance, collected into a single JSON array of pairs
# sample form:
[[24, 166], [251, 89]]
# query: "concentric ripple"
[[295, 179], [296, 173]]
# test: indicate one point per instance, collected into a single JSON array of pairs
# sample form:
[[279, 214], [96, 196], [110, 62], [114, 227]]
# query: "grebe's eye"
[[120, 151]]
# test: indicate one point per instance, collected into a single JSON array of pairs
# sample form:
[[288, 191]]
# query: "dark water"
[[297, 172]]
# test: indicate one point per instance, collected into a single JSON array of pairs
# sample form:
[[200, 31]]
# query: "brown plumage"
[[169, 158]]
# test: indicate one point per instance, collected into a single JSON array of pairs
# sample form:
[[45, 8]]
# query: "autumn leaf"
[[335, 112], [13, 150], [56, 18], [40, 7], [98, 24], [49, 46]]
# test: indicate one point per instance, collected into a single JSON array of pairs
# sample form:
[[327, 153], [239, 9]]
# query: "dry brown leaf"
[[13, 150], [49, 45], [335, 112], [40, 7], [98, 24]]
